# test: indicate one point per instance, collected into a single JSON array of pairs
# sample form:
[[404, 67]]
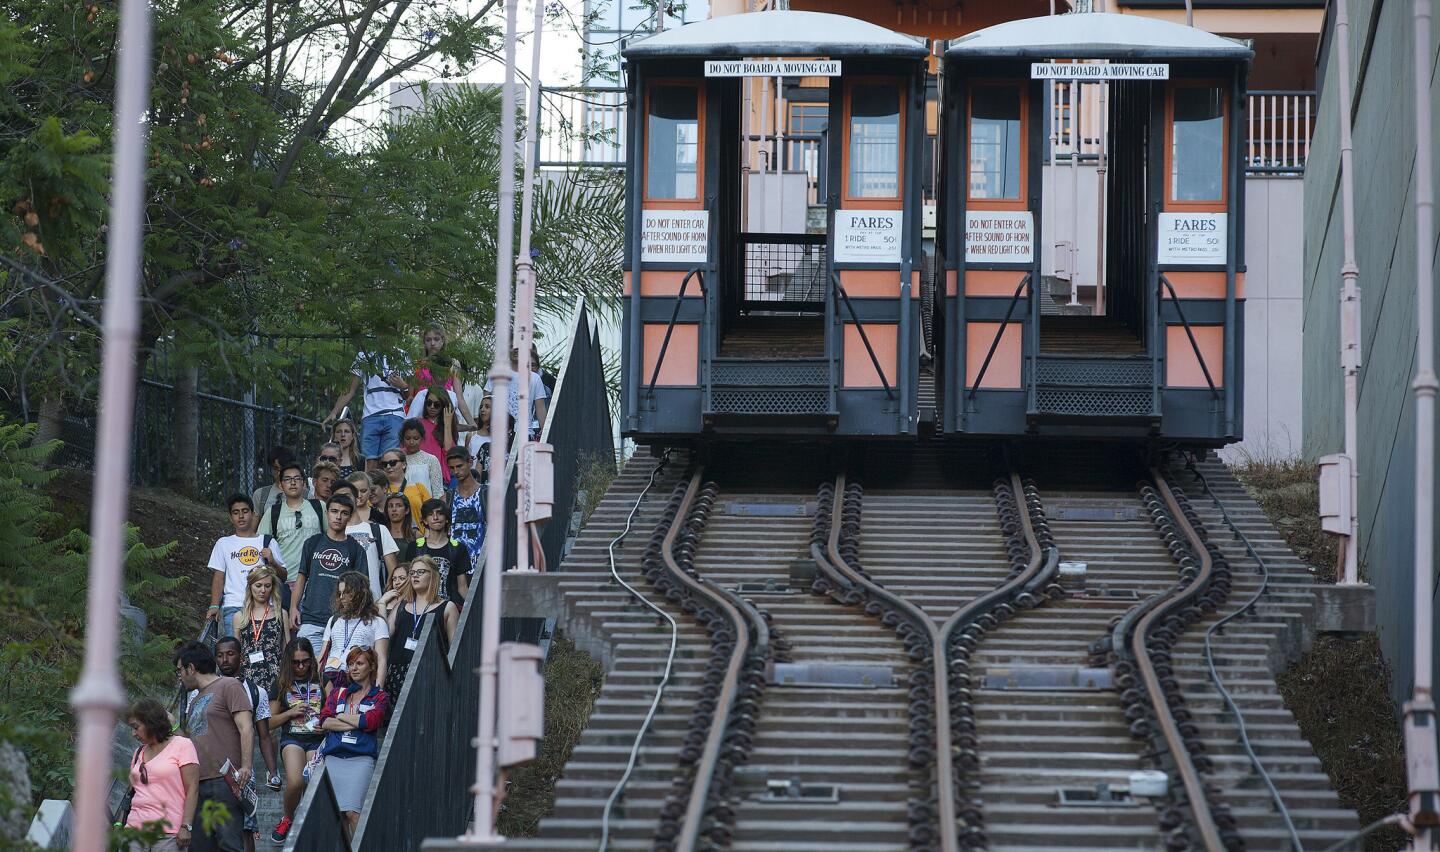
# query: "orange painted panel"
[[859, 371], [666, 282], [952, 282], [874, 283], [1182, 368], [1004, 371], [682, 358], [994, 282], [625, 284], [1203, 285]]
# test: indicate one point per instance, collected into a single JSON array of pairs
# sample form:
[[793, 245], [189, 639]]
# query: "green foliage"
[[272, 209], [43, 577]]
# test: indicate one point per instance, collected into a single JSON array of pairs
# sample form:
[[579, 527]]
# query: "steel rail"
[[940, 634], [944, 753], [1215, 674], [694, 817], [1176, 597], [669, 659]]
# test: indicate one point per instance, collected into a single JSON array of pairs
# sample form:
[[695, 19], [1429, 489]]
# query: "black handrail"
[[1165, 282], [1000, 332], [864, 338], [674, 314]]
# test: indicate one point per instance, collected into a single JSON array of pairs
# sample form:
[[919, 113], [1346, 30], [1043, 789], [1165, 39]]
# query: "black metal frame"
[[860, 327], [999, 335], [670, 327]]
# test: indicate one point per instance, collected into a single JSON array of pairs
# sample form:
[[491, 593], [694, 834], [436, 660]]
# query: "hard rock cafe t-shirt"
[[322, 562], [236, 556]]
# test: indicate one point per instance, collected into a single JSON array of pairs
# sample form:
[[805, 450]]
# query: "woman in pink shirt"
[[165, 774]]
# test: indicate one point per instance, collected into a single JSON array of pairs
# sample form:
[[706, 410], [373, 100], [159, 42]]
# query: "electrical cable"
[[1210, 654], [669, 660], [1393, 819]]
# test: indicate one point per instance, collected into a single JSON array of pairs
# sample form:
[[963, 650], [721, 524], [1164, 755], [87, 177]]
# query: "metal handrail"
[[995, 344], [1165, 282], [860, 327], [669, 328]]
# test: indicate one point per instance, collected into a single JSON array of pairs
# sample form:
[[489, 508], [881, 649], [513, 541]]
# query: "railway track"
[[795, 720]]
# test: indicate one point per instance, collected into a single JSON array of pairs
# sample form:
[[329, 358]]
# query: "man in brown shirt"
[[219, 720]]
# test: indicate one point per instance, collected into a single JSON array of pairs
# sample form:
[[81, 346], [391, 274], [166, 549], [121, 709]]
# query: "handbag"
[[122, 812]]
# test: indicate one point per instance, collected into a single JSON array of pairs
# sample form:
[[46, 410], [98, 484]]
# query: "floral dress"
[[264, 637], [467, 524]]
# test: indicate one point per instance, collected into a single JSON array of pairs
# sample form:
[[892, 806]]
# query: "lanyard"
[[350, 632], [416, 621], [256, 631]]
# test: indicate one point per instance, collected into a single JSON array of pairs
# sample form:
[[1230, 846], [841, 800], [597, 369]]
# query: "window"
[[1197, 144], [995, 142], [874, 141], [809, 118], [672, 143]]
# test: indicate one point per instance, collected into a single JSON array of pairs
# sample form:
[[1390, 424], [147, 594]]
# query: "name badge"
[[333, 663], [257, 657], [349, 739], [364, 708], [411, 644]]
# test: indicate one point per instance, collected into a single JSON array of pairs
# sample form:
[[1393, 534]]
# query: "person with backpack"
[[356, 623], [293, 519], [219, 720], [270, 491], [322, 560], [229, 657], [384, 410], [453, 562], [379, 544], [233, 558]]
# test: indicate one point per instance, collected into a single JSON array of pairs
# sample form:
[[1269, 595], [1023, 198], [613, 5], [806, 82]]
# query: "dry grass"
[[572, 682], [1286, 489], [1339, 693], [597, 472], [1340, 690]]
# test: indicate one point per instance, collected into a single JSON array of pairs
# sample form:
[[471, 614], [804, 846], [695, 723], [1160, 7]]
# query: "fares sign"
[[1192, 239], [773, 68], [999, 236], [1111, 71], [868, 236], [675, 236]]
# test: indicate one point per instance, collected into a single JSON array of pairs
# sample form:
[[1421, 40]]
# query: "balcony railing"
[[581, 126], [1279, 124]]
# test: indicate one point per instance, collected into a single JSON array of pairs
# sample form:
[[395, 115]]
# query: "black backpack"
[[275, 513]]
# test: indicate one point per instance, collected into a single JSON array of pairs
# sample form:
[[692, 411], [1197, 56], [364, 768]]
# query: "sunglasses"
[[144, 776], [303, 661], [392, 462], [335, 459], [298, 522]]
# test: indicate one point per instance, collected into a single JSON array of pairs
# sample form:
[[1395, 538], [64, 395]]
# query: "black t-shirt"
[[322, 562], [452, 558]]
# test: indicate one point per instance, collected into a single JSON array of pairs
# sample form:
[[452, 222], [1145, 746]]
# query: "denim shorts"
[[380, 432]]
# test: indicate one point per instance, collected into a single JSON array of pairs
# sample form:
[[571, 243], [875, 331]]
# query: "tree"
[[272, 210]]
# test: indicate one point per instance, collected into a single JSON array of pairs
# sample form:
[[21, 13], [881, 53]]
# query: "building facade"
[[1382, 53]]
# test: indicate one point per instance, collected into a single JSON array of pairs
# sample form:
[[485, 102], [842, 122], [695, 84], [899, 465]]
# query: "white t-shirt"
[[342, 634], [537, 392], [362, 533], [381, 397], [235, 557]]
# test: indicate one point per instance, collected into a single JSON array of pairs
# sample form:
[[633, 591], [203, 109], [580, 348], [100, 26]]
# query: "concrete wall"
[[1384, 132], [1274, 250]]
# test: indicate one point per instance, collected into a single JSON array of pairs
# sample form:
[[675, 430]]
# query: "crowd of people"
[[351, 554]]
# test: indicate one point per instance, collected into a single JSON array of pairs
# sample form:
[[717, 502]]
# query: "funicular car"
[[1158, 354], [759, 299]]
